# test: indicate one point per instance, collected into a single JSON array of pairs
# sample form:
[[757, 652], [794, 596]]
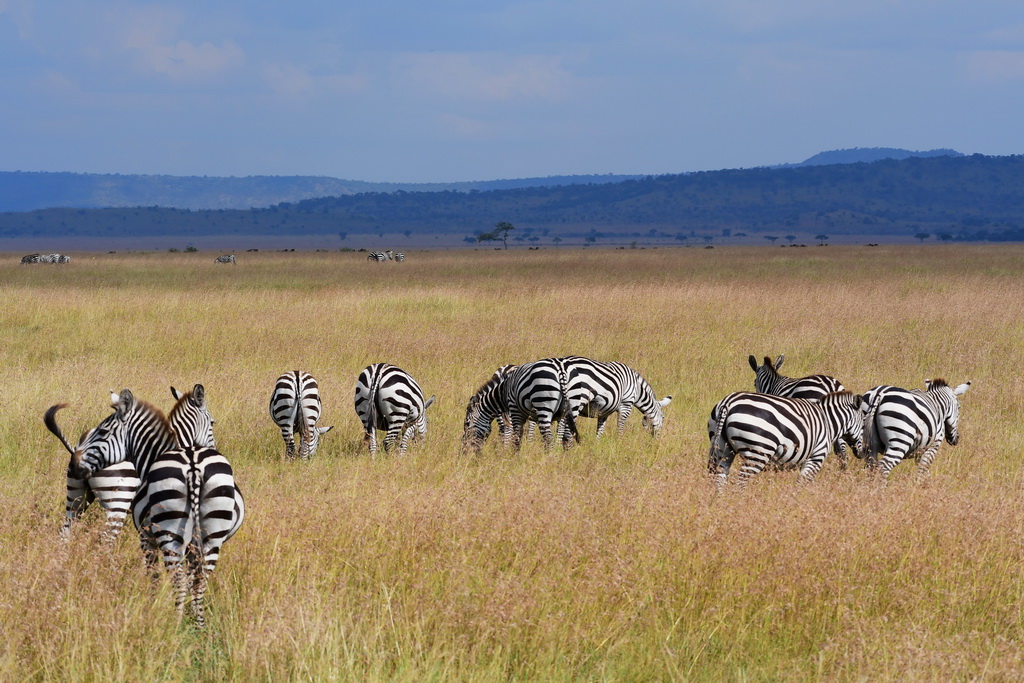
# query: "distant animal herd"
[[182, 494]]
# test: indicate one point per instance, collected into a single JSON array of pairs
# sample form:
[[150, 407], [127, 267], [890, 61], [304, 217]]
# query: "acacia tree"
[[771, 238], [922, 236], [821, 239], [500, 232]]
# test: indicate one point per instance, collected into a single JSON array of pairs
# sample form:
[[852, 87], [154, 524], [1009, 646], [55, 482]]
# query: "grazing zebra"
[[598, 389], [399, 257], [46, 258], [144, 433], [31, 258], [901, 424], [537, 391], [226, 258], [485, 406], [381, 256], [791, 432], [295, 406], [389, 399]]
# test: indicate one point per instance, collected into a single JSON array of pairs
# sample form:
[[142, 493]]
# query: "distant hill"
[[28, 191], [858, 155], [952, 197]]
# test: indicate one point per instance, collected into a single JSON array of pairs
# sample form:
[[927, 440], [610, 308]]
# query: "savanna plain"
[[614, 560]]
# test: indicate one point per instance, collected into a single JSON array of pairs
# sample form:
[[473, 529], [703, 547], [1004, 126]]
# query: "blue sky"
[[413, 91]]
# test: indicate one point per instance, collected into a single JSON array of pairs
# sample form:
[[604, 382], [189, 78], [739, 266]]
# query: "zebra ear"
[[429, 402], [753, 362], [176, 394], [962, 389], [779, 361], [324, 430], [665, 401], [927, 385], [125, 402], [199, 395]]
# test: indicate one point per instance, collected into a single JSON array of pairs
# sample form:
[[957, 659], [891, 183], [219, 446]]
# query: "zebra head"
[[949, 404], [845, 410], [421, 421], [766, 376], [654, 417], [482, 410], [310, 439], [191, 419], [100, 447]]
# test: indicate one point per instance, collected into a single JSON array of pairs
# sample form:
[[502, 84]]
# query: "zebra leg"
[[892, 457], [288, 434], [843, 454], [602, 422], [370, 441], [753, 463], [544, 425], [394, 432], [924, 462], [407, 436], [200, 578], [812, 467], [79, 498], [624, 413]]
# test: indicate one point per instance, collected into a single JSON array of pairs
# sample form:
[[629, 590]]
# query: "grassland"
[[612, 561]]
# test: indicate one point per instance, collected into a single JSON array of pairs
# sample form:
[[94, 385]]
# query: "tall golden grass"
[[614, 560]]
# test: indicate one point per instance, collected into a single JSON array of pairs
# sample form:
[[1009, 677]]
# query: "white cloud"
[[487, 77]]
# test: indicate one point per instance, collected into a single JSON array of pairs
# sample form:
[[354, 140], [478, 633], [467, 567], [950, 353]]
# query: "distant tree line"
[[972, 197]]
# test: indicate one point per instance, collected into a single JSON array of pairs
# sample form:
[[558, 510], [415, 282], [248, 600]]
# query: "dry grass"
[[614, 561]]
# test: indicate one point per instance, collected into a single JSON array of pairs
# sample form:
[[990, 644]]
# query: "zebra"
[[226, 258], [46, 258], [187, 506], [295, 406], [901, 424], [767, 380], [389, 399], [485, 406], [190, 419], [399, 257], [791, 432], [145, 431], [378, 256], [31, 258], [537, 391], [599, 389]]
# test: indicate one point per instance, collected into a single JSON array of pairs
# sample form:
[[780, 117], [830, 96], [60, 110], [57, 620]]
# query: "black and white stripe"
[[226, 258], [537, 391], [399, 256], [791, 432], [190, 418], [143, 432], [46, 258], [486, 406], [381, 256], [188, 505], [901, 424], [600, 389], [389, 399], [295, 407]]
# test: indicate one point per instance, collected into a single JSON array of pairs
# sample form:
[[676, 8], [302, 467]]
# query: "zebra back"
[[767, 380], [295, 406], [388, 398]]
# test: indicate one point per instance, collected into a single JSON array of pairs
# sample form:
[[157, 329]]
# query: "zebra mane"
[[937, 382]]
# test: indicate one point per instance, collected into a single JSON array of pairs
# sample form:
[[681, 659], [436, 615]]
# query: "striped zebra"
[[537, 391], [381, 256], [190, 419], [31, 258], [600, 389], [901, 424], [295, 407], [389, 399], [46, 258], [187, 506], [790, 432], [143, 432], [226, 258], [767, 380], [399, 256], [486, 406]]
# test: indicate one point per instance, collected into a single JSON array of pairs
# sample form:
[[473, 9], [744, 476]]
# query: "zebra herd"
[[226, 258], [183, 498], [381, 256], [46, 258], [792, 423]]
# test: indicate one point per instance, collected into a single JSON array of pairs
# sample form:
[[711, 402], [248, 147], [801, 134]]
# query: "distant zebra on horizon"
[[295, 406], [226, 258], [389, 399], [381, 256], [901, 424], [789, 432], [46, 258], [399, 256]]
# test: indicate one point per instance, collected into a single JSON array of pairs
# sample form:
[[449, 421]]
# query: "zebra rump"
[[762, 428], [901, 424], [295, 407], [389, 399], [539, 391]]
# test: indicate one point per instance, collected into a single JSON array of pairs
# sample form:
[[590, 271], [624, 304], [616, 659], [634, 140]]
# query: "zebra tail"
[[371, 415], [50, 420], [718, 444], [568, 418], [871, 442]]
